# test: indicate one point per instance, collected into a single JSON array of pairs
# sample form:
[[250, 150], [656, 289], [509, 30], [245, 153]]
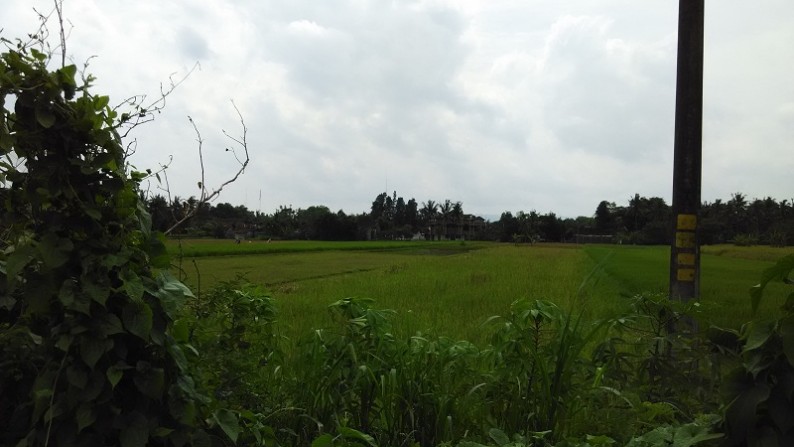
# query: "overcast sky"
[[504, 105]]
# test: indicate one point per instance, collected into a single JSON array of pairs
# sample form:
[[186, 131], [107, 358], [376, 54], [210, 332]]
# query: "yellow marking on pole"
[[684, 239], [686, 275], [687, 222], [686, 259]]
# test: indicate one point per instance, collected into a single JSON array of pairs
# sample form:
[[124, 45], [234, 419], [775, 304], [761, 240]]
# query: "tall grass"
[[537, 375]]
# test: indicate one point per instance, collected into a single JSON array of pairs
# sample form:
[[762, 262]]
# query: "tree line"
[[642, 221]]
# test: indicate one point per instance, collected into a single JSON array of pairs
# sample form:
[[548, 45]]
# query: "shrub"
[[86, 301]]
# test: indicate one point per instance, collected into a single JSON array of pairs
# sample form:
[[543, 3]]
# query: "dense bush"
[[87, 353]]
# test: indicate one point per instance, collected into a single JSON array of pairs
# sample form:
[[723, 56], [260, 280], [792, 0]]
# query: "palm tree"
[[445, 211], [457, 217], [428, 212]]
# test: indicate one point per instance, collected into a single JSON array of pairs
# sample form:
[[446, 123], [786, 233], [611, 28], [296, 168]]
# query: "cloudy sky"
[[501, 104]]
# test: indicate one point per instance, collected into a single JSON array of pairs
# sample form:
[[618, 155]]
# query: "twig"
[[59, 11], [143, 112], [206, 197]]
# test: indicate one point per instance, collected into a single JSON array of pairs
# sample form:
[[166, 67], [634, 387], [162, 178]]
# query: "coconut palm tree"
[[428, 212], [456, 215], [445, 212]]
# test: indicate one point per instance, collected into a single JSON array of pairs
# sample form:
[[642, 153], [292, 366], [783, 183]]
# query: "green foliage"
[[87, 348], [746, 240], [538, 366], [760, 393], [232, 326]]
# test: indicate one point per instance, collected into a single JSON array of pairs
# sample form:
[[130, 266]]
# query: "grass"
[[194, 248], [727, 273], [451, 294], [454, 293]]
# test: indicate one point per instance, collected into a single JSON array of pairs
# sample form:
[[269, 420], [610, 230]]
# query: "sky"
[[503, 105]]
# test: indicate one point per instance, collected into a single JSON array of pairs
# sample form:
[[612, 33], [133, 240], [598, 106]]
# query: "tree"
[[161, 216], [508, 226], [550, 228], [412, 214], [400, 212], [429, 212], [456, 215], [604, 220], [445, 213]]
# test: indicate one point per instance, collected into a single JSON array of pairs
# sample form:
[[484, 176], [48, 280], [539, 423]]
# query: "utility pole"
[[685, 248]]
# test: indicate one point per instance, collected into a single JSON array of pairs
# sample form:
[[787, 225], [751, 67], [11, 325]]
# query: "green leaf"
[[6, 141], [758, 335], [76, 376], [135, 432], [100, 102], [66, 293], [137, 318], [115, 373], [325, 440], [85, 416], [132, 284], [158, 254], [39, 294], [178, 356], [171, 292], [162, 432], [498, 436], [599, 440], [54, 251], [108, 324], [66, 74], [351, 433], [227, 420], [97, 288], [145, 219], [779, 271], [200, 438], [180, 330], [93, 213], [741, 413], [689, 435], [786, 331], [91, 349], [45, 117], [7, 302], [150, 381], [18, 259]]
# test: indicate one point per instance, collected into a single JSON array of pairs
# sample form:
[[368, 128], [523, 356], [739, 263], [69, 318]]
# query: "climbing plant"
[[87, 350]]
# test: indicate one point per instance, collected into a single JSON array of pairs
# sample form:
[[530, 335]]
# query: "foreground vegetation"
[[548, 373], [547, 342]]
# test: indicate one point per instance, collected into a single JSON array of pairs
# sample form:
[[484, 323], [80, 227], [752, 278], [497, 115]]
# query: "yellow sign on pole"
[[684, 239], [687, 275], [686, 259], [687, 222]]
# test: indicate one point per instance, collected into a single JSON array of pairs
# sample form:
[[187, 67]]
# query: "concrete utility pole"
[[685, 249]]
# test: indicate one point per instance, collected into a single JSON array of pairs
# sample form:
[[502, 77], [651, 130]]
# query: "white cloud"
[[505, 105]]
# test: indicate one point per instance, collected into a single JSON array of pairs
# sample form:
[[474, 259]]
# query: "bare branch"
[[206, 197], [59, 11], [142, 112]]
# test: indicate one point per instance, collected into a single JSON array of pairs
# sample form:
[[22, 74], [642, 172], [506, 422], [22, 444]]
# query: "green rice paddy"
[[451, 288]]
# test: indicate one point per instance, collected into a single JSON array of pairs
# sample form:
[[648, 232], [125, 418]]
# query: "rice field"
[[451, 288]]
